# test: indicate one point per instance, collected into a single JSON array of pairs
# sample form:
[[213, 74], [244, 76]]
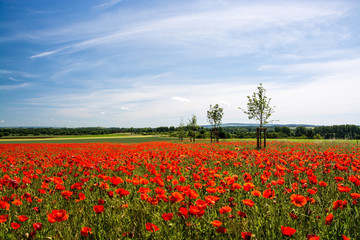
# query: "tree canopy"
[[258, 107], [214, 116]]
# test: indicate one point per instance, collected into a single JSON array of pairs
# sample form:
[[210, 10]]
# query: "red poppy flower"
[[287, 231], [15, 225], [176, 197], [312, 191], [216, 223], [342, 188], [60, 187], [248, 186], [201, 204], [298, 200], [194, 210], [57, 216], [66, 194], [345, 237], [248, 202], [111, 194], [36, 209], [167, 216], [269, 193], [116, 181], [211, 190], [183, 212], [355, 196], [77, 186], [122, 192], [104, 186], [323, 184], [247, 177], [313, 237], [81, 197], [4, 218], [151, 227], [246, 235], [242, 214], [329, 218], [193, 194], [37, 226], [85, 231], [17, 202], [225, 209], [99, 209], [256, 193], [221, 230], [22, 218], [339, 204], [293, 216], [211, 199]]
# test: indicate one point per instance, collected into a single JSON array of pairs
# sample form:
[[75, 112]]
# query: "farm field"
[[90, 139], [164, 190]]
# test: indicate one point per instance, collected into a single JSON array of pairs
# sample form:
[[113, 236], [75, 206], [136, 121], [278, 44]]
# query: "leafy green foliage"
[[259, 107], [214, 116]]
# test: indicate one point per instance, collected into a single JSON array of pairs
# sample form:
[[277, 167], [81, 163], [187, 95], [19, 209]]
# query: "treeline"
[[56, 131], [320, 132]]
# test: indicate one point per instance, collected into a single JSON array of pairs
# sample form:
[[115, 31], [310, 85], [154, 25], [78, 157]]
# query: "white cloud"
[[107, 4], [14, 87], [225, 102], [180, 99], [44, 54], [134, 63], [295, 102], [17, 74], [14, 79], [230, 29]]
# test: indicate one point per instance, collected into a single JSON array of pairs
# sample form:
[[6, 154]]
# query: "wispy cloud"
[[17, 74], [107, 4], [44, 54], [14, 87], [125, 64], [180, 99], [225, 102], [229, 30]]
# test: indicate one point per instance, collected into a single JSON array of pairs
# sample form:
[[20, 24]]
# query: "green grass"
[[127, 138], [92, 139], [295, 140]]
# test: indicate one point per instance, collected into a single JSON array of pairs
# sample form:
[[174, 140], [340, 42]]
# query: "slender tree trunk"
[[264, 137], [260, 136]]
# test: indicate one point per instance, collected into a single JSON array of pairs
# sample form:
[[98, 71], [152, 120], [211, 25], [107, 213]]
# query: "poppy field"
[[162, 190]]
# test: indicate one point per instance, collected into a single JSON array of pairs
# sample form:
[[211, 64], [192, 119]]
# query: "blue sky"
[[140, 63]]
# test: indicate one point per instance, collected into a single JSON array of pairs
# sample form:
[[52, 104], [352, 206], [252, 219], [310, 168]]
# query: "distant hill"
[[256, 125]]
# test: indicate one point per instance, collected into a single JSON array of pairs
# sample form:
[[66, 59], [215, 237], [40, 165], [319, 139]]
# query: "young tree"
[[259, 109], [181, 131], [214, 116], [193, 127]]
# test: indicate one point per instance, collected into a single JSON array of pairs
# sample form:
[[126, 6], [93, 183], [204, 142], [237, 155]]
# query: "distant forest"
[[317, 132]]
